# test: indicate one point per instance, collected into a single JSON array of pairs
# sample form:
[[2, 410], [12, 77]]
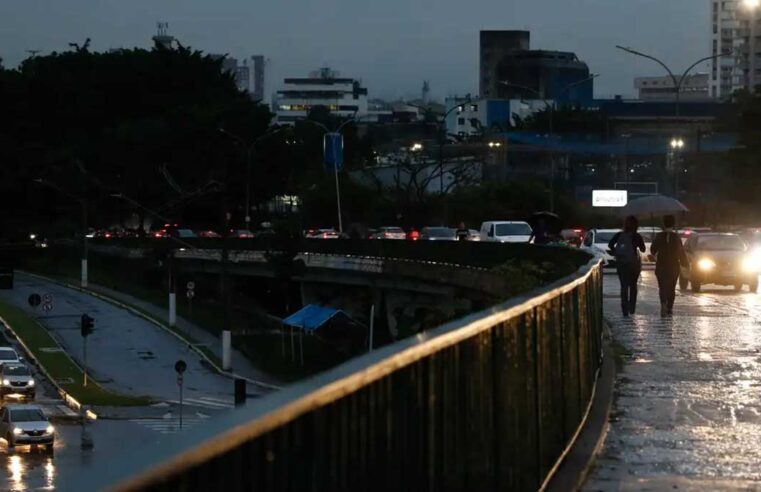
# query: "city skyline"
[[391, 47]]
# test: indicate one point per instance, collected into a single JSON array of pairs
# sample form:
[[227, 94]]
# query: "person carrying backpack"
[[626, 247]]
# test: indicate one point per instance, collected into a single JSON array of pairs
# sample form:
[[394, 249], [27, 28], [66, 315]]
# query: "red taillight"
[[578, 231], [107, 235]]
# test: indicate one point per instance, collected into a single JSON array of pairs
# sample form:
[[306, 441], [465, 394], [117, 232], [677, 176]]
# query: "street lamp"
[[677, 82], [551, 109], [327, 130], [249, 154], [416, 147], [83, 202], [676, 143]]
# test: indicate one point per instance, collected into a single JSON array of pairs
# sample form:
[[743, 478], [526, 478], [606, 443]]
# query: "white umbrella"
[[653, 205]]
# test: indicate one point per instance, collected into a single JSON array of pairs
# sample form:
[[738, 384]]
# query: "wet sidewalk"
[[687, 405]]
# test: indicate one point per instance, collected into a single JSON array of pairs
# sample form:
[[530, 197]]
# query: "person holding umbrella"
[[669, 254], [626, 246]]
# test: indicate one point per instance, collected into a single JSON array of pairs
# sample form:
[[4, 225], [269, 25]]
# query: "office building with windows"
[[343, 97], [735, 33]]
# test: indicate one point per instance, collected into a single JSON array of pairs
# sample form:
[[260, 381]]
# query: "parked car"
[[596, 243], [16, 380], [390, 233], [474, 235], [574, 237], [505, 232], [26, 424], [720, 259], [207, 233], [438, 234], [9, 356]]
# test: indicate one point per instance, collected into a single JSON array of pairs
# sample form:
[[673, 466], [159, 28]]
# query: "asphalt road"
[[126, 353], [687, 408]]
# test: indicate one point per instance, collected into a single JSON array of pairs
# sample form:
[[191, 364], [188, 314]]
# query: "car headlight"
[[706, 264], [50, 429], [752, 262], [6, 382], [31, 382], [17, 431]]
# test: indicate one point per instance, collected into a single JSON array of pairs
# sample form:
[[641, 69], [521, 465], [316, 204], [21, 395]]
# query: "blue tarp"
[[311, 317]]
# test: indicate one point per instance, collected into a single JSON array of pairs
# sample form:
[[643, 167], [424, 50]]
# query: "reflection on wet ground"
[[687, 413]]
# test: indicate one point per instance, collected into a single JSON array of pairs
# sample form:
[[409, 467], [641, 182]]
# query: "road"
[[687, 408], [126, 354]]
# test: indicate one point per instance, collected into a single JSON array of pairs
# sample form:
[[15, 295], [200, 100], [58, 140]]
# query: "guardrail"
[[488, 402]]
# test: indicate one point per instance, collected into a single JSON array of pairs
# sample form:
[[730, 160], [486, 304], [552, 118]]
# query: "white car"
[[9, 356], [506, 232], [390, 233], [26, 424], [596, 243]]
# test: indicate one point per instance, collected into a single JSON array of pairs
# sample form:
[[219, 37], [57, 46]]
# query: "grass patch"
[[58, 364]]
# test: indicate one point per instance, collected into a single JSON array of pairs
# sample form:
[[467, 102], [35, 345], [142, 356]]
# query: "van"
[[506, 232]]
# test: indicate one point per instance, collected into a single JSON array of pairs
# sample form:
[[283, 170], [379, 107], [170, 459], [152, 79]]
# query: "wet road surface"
[[687, 408], [126, 353]]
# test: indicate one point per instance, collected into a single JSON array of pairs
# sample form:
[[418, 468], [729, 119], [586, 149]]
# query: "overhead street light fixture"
[[751, 4], [677, 143]]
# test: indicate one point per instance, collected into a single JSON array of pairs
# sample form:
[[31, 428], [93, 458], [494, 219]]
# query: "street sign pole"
[[180, 367]]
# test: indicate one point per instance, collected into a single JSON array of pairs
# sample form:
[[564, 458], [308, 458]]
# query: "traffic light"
[[87, 325]]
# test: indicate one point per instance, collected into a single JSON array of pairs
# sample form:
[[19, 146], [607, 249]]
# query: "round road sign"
[[34, 300], [191, 294], [191, 285], [47, 298], [180, 366], [47, 307]]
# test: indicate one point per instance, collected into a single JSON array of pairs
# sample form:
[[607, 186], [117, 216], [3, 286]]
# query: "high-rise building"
[[735, 32], [259, 78], [511, 70], [343, 97], [494, 45]]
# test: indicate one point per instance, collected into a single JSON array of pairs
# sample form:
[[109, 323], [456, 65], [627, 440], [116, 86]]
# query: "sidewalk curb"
[[69, 400], [161, 324], [582, 455]]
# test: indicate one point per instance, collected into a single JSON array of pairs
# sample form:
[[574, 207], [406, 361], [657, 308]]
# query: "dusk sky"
[[392, 45]]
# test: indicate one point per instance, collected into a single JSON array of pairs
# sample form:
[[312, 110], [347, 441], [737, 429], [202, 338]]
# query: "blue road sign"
[[334, 152]]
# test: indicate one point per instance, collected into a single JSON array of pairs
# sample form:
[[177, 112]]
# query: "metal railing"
[[487, 402]]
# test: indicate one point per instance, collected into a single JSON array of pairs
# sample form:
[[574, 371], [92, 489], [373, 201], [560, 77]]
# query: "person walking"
[[669, 255], [626, 246], [462, 232]]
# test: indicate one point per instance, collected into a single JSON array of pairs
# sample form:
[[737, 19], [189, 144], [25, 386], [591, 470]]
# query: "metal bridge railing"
[[487, 402]]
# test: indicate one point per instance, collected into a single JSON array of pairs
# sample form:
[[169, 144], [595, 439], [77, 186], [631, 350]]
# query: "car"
[[506, 232], [209, 234], [574, 237], [241, 234], [9, 356], [16, 380], [474, 235], [412, 235], [438, 234], [390, 233], [321, 234], [26, 424], [648, 236], [596, 243], [719, 259]]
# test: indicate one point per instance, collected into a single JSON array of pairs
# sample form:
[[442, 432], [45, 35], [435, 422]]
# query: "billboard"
[[610, 198]]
